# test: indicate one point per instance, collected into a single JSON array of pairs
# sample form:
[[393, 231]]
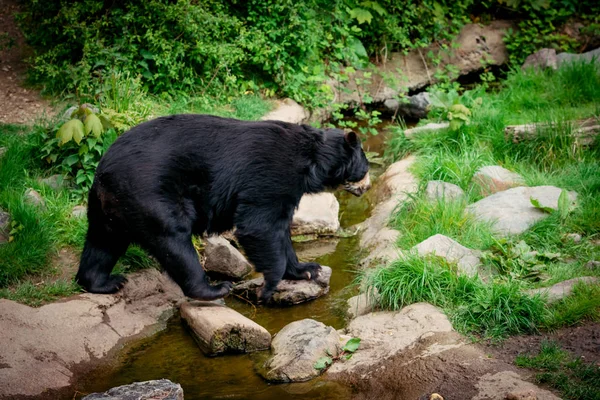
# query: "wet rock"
[[443, 190], [562, 289], [426, 128], [288, 292], [33, 197], [162, 389], [384, 334], [592, 265], [413, 107], [287, 110], [494, 178], [510, 212], [55, 182], [316, 214], [497, 386], [218, 329], [224, 259], [4, 226], [315, 249], [466, 260], [566, 58], [57, 338], [541, 59], [79, 212], [296, 349], [574, 237], [362, 304]]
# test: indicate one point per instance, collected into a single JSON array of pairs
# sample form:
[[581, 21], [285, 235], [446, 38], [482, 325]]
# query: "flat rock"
[[33, 197], [316, 214], [510, 212], [296, 349], [43, 347], [466, 260], [219, 329], [362, 304], [385, 249], [563, 289], [287, 110], [541, 59], [162, 389], [288, 292], [443, 190], [431, 127], [566, 58], [496, 386], [224, 259], [494, 178], [384, 334]]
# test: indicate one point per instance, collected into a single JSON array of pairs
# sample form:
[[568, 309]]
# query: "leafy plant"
[[15, 229], [451, 107], [348, 349]]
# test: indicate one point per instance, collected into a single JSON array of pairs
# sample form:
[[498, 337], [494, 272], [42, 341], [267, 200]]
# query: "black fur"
[[175, 176]]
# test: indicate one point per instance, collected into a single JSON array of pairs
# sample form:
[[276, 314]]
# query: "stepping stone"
[[466, 260], [162, 389], [219, 329], [443, 190], [494, 179], [316, 214], [288, 292], [296, 349], [510, 212], [562, 289], [224, 259]]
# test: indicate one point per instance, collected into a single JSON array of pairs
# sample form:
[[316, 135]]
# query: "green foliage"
[[347, 350], [582, 305], [573, 377], [37, 295]]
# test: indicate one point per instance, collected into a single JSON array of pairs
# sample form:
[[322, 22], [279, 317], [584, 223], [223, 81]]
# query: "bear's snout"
[[360, 187]]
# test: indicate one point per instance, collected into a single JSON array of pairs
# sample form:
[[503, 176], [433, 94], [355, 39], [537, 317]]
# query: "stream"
[[173, 353]]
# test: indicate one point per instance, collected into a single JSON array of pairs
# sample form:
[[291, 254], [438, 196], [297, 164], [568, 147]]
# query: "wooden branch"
[[584, 130]]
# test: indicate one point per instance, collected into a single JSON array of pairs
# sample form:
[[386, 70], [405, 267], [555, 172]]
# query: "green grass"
[[582, 305], [574, 378], [37, 295], [491, 310]]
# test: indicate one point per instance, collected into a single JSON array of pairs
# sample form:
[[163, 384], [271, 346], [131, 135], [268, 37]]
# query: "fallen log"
[[583, 130]]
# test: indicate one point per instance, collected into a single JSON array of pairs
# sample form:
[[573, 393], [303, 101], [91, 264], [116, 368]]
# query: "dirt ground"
[[18, 104]]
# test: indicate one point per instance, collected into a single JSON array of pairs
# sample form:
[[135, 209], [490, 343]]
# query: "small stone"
[[574, 237], [541, 59], [288, 292], [466, 260], [592, 265], [443, 190], [218, 329], [316, 214], [562, 289], [224, 259], [435, 396], [493, 179], [362, 304], [296, 349], [79, 211], [162, 389], [33, 197], [55, 182]]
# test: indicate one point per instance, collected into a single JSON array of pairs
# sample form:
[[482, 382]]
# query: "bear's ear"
[[351, 138]]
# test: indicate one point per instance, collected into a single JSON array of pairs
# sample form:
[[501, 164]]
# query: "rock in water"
[[296, 349], [224, 259], [288, 292], [219, 329], [162, 389], [316, 214]]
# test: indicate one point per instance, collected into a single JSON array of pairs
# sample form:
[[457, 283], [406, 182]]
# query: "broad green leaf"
[[105, 122], [71, 160], [536, 204], [359, 49], [352, 345], [77, 136], [373, 5], [93, 125], [564, 204], [68, 130], [322, 363], [361, 15], [455, 124], [146, 54]]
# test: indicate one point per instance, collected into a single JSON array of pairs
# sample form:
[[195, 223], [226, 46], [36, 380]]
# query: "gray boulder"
[[466, 260], [414, 107], [218, 329], [443, 190], [224, 259], [541, 59], [510, 212], [288, 292], [562, 289], [494, 179], [296, 349], [55, 182], [362, 304], [162, 389], [316, 214], [566, 58]]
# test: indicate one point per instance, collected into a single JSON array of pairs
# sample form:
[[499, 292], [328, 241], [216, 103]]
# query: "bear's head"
[[350, 167]]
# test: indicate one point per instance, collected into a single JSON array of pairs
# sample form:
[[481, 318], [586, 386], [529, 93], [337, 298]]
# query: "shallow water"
[[173, 354]]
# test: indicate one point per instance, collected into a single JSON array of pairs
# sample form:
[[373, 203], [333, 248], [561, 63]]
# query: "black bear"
[[172, 177]]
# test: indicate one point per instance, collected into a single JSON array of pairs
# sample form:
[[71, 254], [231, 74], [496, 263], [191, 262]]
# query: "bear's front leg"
[[296, 270]]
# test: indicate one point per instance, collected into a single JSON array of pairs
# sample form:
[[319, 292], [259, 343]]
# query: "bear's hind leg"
[[100, 254], [177, 255], [296, 270]]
